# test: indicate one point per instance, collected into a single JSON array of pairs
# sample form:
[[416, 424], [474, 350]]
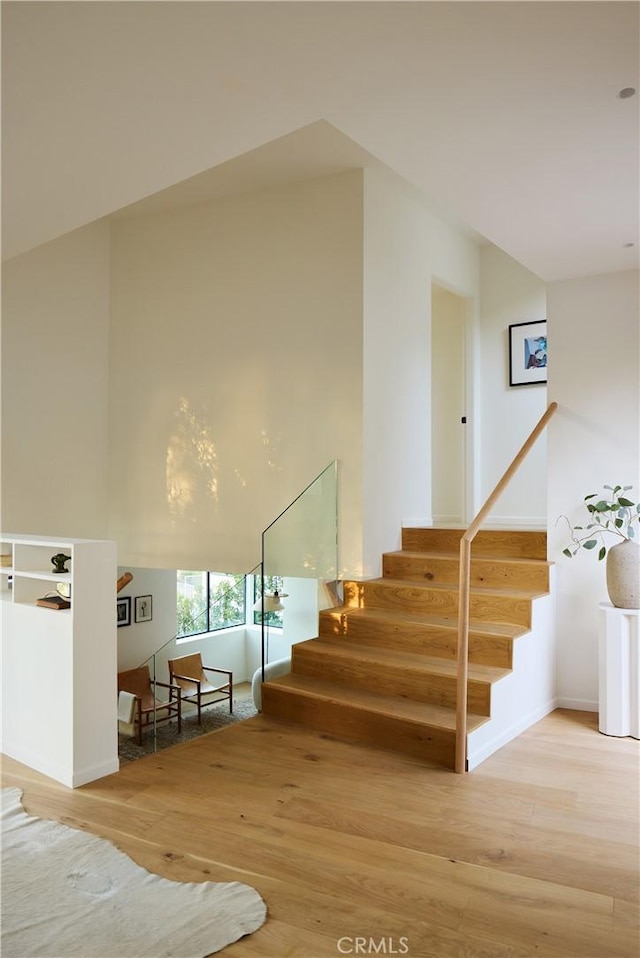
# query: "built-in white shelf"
[[72, 653], [41, 574], [6, 572], [32, 574]]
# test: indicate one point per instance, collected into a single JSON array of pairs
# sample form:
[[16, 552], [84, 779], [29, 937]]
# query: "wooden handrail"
[[464, 588]]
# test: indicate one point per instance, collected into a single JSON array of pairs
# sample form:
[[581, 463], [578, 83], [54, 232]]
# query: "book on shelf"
[[53, 602]]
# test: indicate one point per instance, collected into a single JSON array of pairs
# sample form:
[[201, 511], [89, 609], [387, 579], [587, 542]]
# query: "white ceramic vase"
[[623, 575]]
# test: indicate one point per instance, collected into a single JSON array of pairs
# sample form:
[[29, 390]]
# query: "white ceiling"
[[504, 114]]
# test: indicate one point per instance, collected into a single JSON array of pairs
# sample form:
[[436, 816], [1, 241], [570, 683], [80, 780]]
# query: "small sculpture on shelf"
[[58, 561]]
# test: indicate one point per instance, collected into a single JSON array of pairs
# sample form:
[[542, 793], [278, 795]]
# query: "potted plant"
[[612, 514]]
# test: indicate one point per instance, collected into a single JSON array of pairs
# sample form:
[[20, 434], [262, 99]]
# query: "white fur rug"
[[66, 893]]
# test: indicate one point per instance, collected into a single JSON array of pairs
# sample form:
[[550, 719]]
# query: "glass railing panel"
[[302, 543]]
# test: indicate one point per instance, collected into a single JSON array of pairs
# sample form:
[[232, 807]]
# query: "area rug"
[[66, 893], [213, 718]]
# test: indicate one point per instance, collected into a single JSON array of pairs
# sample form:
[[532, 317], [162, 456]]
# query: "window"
[[209, 601]]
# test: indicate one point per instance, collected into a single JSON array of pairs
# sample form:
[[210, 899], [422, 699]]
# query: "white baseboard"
[[579, 705], [95, 772], [507, 735], [35, 760], [57, 771], [525, 523], [449, 521]]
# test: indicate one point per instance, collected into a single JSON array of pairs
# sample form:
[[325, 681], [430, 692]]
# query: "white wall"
[[136, 642], [594, 439], [55, 330], [236, 371], [405, 247], [510, 294]]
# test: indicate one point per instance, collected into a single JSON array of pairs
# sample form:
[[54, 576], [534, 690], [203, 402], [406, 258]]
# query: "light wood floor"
[[534, 853]]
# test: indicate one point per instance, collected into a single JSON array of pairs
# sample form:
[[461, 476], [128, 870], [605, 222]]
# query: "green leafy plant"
[[614, 513]]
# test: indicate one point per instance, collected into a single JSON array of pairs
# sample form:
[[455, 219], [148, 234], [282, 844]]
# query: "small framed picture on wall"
[[123, 611], [144, 608], [528, 353]]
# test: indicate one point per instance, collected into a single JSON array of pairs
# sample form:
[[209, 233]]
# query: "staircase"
[[382, 670]]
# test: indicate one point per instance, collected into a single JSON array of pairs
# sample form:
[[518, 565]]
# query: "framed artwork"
[[528, 353], [144, 608], [123, 611]]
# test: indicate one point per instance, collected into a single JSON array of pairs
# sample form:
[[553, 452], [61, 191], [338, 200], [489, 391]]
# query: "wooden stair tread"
[[430, 664], [420, 713], [451, 587], [481, 627], [455, 556]]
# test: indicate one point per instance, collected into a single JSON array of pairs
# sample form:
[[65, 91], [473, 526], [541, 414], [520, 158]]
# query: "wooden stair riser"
[[419, 684], [408, 636], [488, 542], [505, 574], [483, 606], [362, 725]]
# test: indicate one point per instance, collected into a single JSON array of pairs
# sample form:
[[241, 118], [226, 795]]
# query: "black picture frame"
[[528, 353], [123, 611], [144, 608]]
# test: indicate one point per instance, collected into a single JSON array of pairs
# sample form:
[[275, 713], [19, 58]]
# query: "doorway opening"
[[449, 445]]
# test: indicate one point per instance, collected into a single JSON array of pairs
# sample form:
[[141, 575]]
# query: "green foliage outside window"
[[208, 601], [226, 603]]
